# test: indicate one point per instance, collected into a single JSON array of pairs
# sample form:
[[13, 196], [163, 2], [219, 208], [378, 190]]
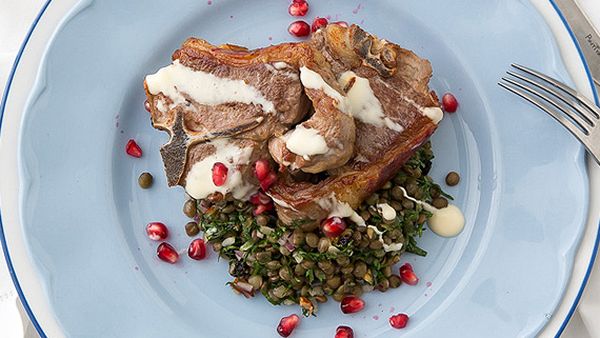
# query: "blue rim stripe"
[[3, 239], [595, 252], [11, 269]]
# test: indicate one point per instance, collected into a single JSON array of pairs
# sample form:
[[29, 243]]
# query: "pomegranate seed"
[[157, 231], [268, 181], [262, 208], [262, 168], [298, 8], [147, 105], [254, 199], [344, 332], [132, 149], [319, 23], [299, 28], [260, 198], [449, 103], [341, 23], [333, 226], [352, 304], [167, 253], [264, 198], [407, 275], [399, 321], [197, 249], [219, 174], [287, 325]]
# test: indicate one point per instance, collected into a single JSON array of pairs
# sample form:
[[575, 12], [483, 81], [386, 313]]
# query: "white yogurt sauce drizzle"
[[445, 222], [386, 247], [306, 142], [343, 210], [387, 212], [281, 65], [340, 209], [434, 113], [362, 103], [281, 203], [313, 80], [175, 80], [199, 182]]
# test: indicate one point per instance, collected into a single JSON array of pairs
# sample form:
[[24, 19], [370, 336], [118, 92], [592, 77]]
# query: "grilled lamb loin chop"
[[408, 115], [211, 92]]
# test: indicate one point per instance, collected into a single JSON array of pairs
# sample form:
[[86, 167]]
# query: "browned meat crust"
[[371, 154]]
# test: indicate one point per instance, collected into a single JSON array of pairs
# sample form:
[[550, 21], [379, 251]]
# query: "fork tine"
[[584, 100], [538, 103], [578, 121], [569, 100]]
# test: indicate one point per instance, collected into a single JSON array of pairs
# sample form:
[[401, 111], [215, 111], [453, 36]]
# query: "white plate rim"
[[39, 311]]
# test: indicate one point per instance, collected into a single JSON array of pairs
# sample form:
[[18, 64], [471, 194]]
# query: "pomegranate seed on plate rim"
[[352, 304], [344, 332], [319, 23], [407, 274], [298, 8], [449, 103], [299, 28], [157, 231], [133, 149], [197, 249], [399, 321], [167, 253], [287, 325]]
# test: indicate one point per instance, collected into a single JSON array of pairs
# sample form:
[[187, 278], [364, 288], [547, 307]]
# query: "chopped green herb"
[[285, 259]]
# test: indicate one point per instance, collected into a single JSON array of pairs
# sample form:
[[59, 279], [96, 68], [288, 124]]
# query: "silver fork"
[[574, 111]]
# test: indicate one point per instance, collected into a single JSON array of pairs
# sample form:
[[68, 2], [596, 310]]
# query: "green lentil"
[[440, 202], [395, 281], [324, 244], [338, 297], [145, 180], [273, 265], [321, 299], [256, 281], [192, 229], [360, 269], [189, 208], [298, 237], [262, 220], [452, 178], [373, 199]]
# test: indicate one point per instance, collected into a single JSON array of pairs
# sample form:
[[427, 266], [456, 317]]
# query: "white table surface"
[[16, 17]]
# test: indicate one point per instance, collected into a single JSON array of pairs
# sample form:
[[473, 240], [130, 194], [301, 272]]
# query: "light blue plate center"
[[523, 189]]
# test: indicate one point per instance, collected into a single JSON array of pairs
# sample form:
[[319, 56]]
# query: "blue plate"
[[524, 188]]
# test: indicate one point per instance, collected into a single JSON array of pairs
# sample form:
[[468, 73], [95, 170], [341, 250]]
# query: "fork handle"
[[587, 36]]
